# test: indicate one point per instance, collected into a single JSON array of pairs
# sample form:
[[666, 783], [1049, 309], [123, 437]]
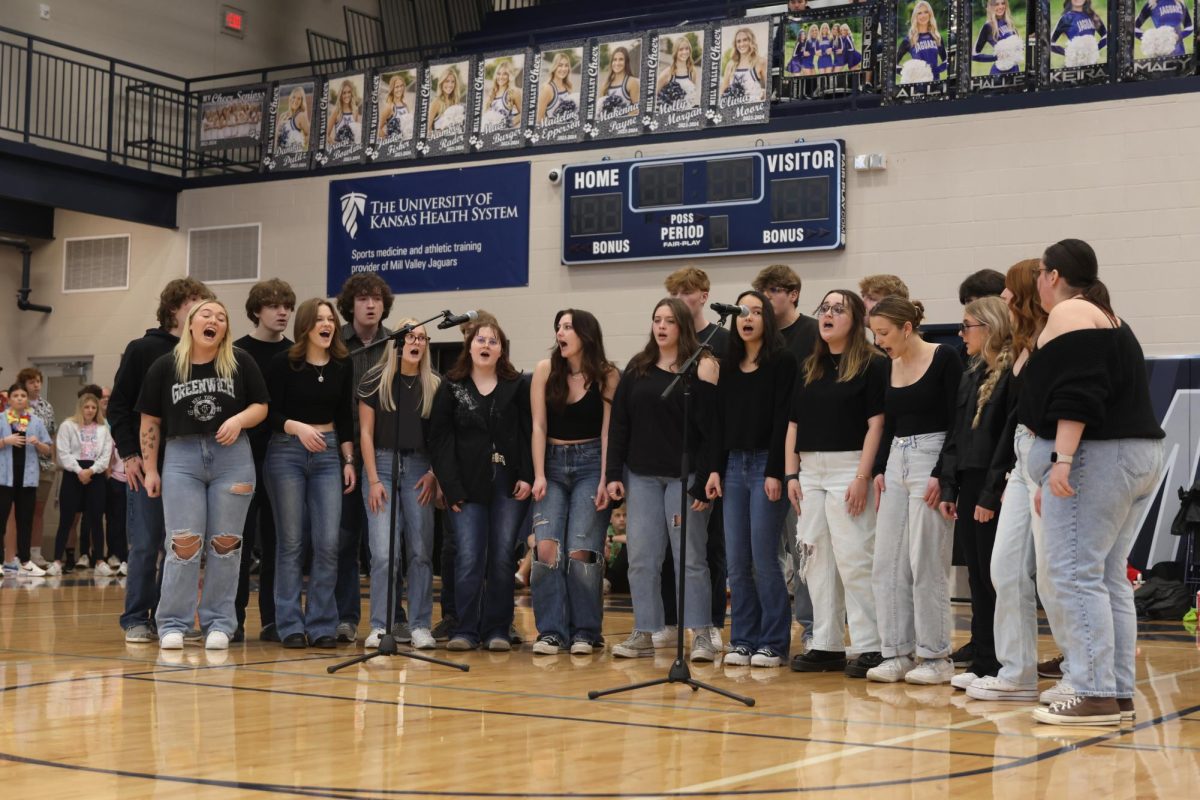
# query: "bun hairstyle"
[[899, 310], [1075, 262]]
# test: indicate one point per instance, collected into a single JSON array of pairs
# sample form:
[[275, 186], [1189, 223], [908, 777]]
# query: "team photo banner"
[[232, 117], [432, 231]]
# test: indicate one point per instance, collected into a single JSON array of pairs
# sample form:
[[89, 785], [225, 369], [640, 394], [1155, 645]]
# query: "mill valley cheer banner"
[[432, 231]]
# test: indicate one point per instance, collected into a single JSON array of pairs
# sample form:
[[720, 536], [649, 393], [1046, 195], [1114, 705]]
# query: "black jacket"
[[462, 439], [136, 360], [968, 448]]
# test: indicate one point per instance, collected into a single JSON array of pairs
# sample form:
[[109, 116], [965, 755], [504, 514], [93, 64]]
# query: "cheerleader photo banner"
[[739, 71], [445, 107], [1158, 38], [679, 92], [616, 65], [498, 90], [232, 117], [291, 129], [344, 117], [998, 37], [827, 52], [393, 114], [921, 44], [557, 89], [1073, 38]]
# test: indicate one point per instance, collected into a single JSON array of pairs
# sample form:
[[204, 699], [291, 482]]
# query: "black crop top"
[[302, 395], [583, 419], [926, 406]]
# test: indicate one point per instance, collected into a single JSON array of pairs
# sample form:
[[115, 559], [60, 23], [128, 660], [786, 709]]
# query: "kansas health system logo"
[[354, 205]]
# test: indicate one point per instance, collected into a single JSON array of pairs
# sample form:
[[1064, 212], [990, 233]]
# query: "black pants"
[[449, 551], [618, 572], [259, 529], [24, 499], [88, 499], [114, 519], [978, 539]]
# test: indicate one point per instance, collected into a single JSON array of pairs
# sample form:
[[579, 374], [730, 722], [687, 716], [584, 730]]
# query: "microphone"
[[727, 310], [452, 320]]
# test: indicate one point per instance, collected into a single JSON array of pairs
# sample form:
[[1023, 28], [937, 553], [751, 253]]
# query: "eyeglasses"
[[776, 290], [837, 309], [486, 342], [415, 338], [962, 328]]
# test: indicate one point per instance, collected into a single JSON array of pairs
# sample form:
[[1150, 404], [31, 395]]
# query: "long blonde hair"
[[996, 355], [379, 378], [994, 21], [913, 33], [442, 101], [225, 362], [562, 56], [753, 55], [511, 97], [87, 397], [691, 59]]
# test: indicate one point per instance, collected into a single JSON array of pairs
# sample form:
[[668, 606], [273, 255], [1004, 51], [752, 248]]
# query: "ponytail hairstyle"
[[594, 365], [772, 339], [899, 310], [858, 353], [688, 343], [997, 352], [1075, 261], [1028, 316]]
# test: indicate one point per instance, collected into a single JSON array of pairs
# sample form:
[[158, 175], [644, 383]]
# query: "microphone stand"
[[387, 643], [679, 672]]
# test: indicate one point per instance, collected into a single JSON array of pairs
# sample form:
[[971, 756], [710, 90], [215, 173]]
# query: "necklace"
[[408, 384], [320, 371]]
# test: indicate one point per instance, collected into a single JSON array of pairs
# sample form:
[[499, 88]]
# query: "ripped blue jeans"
[[206, 491]]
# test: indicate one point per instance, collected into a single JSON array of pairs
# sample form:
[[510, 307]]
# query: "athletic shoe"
[[819, 661], [859, 667], [295, 641], [347, 633], [54, 569], [402, 633], [963, 679], [114, 562], [964, 656], [170, 641], [123, 570], [499, 644], [892, 670], [667, 637], [1057, 693], [738, 656], [103, 570], [32, 570], [582, 647], [703, 649], [639, 645], [83, 562], [35, 555], [765, 657], [461, 643], [931, 672], [422, 639], [441, 632], [1051, 668], [12, 566], [1126, 706], [993, 687], [140, 634], [514, 636], [217, 640], [547, 645], [1080, 711], [714, 633], [269, 633], [325, 642], [372, 641]]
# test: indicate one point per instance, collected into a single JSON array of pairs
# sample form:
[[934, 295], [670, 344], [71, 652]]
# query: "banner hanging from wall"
[[499, 120], [443, 230], [998, 35], [1074, 40], [675, 77], [922, 50], [1158, 38], [558, 88], [618, 97], [290, 126], [445, 107], [345, 119], [739, 70], [394, 111], [847, 33], [231, 117]]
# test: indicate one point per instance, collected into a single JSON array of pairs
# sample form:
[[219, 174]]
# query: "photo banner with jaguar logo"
[[436, 231]]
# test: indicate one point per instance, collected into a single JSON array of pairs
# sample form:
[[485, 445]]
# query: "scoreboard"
[[763, 200]]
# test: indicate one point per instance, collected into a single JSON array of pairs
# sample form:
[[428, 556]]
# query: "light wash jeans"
[[653, 518], [414, 530], [1014, 572], [206, 491], [306, 499], [1088, 538], [761, 613], [568, 595], [843, 547], [911, 573]]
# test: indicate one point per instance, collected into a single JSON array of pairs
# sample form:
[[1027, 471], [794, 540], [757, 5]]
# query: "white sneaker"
[[372, 641], [639, 645], [703, 649], [217, 640], [83, 562], [1060, 692], [714, 633], [32, 570], [103, 570], [765, 657], [54, 569], [12, 566], [582, 647], [992, 687], [35, 555], [667, 637], [422, 639], [171, 641], [738, 656], [123, 570], [892, 670], [114, 562], [931, 672], [963, 679]]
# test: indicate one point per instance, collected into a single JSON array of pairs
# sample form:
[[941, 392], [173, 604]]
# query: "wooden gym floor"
[[82, 714]]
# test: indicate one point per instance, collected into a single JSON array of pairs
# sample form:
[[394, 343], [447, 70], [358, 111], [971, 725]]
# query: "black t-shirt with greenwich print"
[[201, 404]]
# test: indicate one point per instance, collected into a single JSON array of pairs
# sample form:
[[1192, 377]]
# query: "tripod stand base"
[[679, 673], [387, 647]]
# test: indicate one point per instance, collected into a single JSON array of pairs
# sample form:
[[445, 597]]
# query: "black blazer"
[[968, 448], [463, 438]]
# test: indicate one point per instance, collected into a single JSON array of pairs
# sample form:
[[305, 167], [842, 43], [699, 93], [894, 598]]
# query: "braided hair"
[[997, 353]]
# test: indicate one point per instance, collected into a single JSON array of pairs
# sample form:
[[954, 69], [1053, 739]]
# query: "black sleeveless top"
[[577, 421]]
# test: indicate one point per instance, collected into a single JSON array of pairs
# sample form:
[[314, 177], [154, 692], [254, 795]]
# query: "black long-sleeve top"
[[752, 410], [974, 448], [300, 394], [466, 428], [1095, 376], [262, 353], [127, 386], [926, 406], [645, 432]]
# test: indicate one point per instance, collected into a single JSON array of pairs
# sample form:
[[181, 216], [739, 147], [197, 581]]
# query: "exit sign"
[[233, 21]]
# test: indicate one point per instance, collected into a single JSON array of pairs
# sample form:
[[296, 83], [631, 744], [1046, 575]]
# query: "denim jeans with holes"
[[206, 491]]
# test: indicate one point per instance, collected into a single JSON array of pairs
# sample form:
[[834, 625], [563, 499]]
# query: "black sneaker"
[[819, 661], [441, 632], [963, 656], [268, 634], [866, 661]]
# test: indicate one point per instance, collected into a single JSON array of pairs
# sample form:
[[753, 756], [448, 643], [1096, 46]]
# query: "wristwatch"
[[1061, 458]]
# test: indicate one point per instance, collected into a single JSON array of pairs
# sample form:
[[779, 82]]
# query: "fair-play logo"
[[354, 204]]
